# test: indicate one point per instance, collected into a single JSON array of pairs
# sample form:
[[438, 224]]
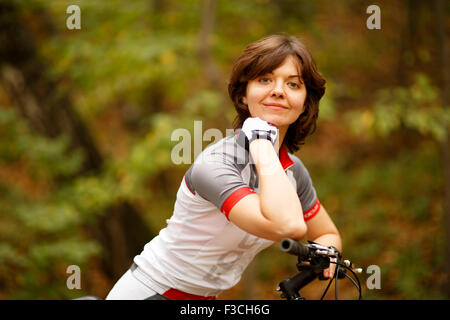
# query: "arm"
[[322, 230], [276, 212]]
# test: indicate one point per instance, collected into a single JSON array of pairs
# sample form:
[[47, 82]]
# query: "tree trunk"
[[442, 40], [121, 231], [211, 70]]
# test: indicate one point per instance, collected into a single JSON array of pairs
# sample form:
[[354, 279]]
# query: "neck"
[[281, 134]]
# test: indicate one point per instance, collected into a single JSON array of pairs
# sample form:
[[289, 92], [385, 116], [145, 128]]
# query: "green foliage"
[[386, 216], [416, 107], [137, 64], [403, 193], [17, 143], [45, 254], [38, 234]]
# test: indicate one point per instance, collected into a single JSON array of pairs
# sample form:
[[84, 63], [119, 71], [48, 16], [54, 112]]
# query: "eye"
[[264, 80], [293, 85]]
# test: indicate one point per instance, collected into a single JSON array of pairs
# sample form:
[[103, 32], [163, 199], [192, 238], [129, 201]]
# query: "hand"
[[256, 128], [329, 273]]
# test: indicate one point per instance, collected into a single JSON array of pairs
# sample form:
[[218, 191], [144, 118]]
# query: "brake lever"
[[321, 250]]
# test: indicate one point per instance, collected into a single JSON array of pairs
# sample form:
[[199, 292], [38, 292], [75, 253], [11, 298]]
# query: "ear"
[[244, 100]]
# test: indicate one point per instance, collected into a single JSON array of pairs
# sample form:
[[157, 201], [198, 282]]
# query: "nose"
[[277, 91]]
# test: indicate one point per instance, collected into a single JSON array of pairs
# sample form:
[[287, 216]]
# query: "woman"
[[244, 192]]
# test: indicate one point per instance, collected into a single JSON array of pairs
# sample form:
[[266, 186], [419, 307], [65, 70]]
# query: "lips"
[[275, 106]]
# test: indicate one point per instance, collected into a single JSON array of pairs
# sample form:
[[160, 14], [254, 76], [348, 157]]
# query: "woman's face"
[[278, 97]]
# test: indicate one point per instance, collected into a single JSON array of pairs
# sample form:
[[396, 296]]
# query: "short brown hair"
[[265, 55]]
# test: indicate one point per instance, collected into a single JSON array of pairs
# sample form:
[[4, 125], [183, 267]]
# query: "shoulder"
[[224, 153], [299, 169], [305, 187], [219, 164]]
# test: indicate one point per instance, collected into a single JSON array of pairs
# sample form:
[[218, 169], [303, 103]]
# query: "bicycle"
[[313, 258]]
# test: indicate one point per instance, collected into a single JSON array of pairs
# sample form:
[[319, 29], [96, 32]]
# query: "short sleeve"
[[217, 179], [305, 190]]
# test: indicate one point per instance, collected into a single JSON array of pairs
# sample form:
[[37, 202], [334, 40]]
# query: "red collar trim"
[[285, 160]]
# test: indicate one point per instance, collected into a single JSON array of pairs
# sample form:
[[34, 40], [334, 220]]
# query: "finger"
[[332, 269], [329, 273]]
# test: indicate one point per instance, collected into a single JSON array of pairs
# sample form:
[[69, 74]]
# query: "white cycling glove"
[[256, 128]]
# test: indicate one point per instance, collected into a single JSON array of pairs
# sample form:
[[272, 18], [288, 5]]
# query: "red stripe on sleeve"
[[234, 198], [312, 211]]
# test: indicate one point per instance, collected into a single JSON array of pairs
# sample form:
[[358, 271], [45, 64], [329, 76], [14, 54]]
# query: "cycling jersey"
[[201, 251]]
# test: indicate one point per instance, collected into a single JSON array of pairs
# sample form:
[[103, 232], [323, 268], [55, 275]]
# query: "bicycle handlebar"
[[306, 251], [318, 259], [294, 247]]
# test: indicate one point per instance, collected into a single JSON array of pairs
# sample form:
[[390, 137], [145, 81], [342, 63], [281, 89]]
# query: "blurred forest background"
[[86, 118]]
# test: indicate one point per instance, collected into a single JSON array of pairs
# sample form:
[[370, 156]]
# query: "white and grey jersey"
[[201, 251], [220, 173]]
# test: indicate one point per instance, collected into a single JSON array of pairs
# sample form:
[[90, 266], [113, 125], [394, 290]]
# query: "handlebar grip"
[[294, 247]]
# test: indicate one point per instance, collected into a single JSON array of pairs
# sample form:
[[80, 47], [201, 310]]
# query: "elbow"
[[295, 230]]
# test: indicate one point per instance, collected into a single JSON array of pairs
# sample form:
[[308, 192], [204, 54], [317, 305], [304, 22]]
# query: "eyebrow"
[[292, 76], [297, 76]]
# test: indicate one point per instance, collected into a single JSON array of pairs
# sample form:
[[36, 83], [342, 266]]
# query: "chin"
[[271, 120], [276, 122]]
